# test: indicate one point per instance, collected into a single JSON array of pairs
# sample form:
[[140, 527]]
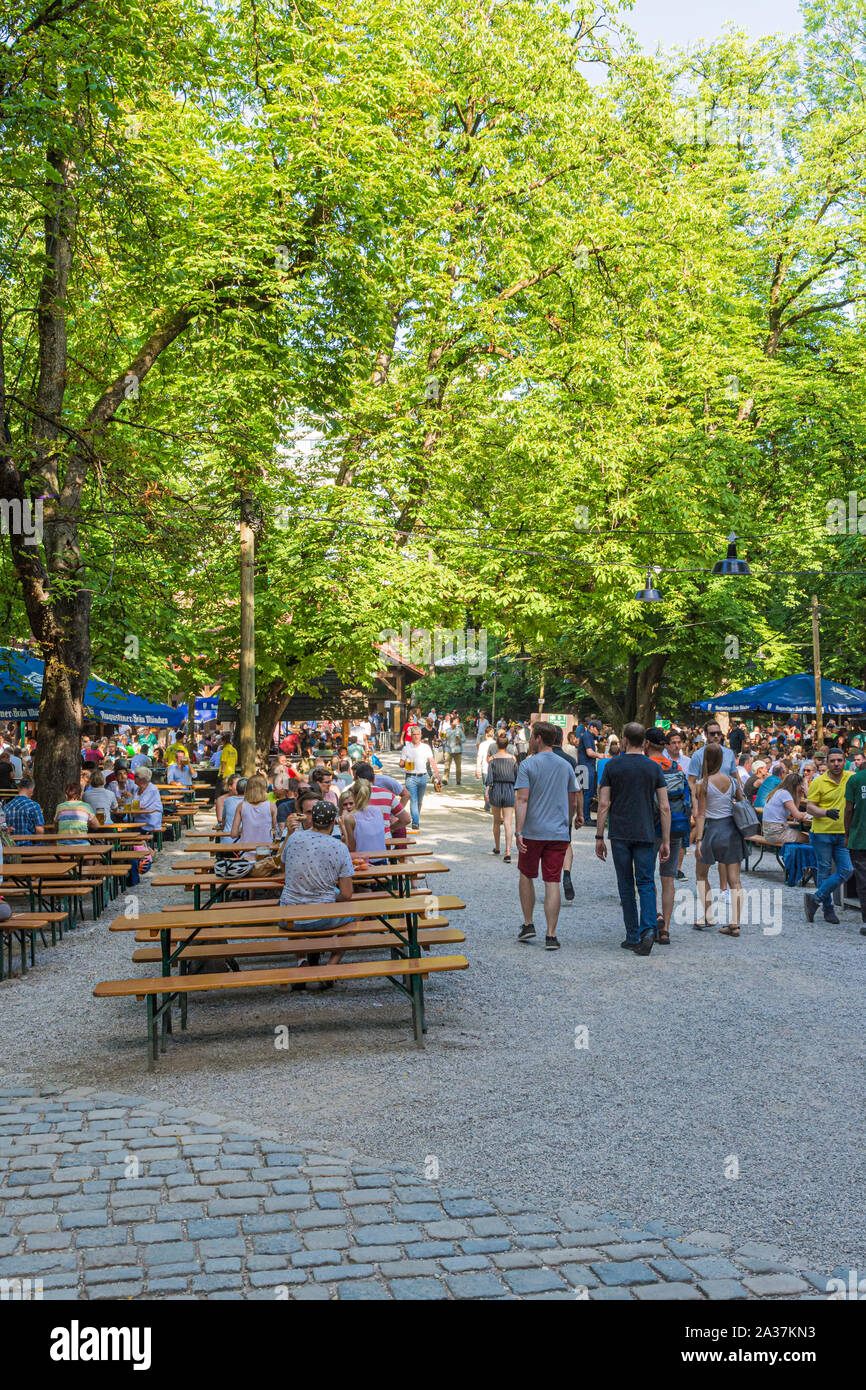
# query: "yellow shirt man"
[[172, 751], [228, 760], [830, 796]]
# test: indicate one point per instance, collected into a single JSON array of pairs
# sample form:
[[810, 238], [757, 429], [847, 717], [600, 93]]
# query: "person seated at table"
[[255, 817], [363, 824], [226, 804], [23, 814], [319, 869], [322, 779], [73, 817], [770, 784], [141, 758], [7, 771], [301, 818], [101, 798], [343, 775], [123, 785], [782, 806], [149, 800], [180, 771], [754, 782], [158, 764], [390, 796], [286, 801], [355, 751]]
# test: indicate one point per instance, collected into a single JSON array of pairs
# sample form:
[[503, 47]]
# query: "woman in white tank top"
[[363, 826], [255, 819], [717, 837]]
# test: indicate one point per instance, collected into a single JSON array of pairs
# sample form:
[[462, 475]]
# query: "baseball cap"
[[656, 737], [324, 815]]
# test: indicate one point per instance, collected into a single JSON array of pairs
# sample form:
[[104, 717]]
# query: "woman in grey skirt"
[[501, 776], [718, 839]]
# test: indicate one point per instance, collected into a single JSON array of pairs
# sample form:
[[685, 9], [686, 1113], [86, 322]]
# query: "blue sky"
[[678, 23]]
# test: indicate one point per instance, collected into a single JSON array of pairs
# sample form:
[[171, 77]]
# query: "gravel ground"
[[710, 1056]]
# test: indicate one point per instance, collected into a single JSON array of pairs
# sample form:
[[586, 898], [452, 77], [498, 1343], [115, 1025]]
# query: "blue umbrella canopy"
[[790, 695], [21, 678]]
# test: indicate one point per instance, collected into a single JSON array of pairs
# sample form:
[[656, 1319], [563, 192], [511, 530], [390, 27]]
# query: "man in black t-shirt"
[[737, 737], [630, 788]]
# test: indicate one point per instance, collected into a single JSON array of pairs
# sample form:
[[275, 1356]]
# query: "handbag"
[[746, 819]]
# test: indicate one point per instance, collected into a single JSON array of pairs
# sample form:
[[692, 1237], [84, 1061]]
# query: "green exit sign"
[[560, 719]]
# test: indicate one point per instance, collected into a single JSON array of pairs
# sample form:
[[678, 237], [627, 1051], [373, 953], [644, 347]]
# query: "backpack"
[[679, 797]]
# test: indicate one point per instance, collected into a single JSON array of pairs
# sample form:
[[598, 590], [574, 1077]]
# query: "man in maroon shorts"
[[545, 799]]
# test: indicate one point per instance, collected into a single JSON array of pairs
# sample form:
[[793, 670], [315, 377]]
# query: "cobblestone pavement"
[[109, 1196]]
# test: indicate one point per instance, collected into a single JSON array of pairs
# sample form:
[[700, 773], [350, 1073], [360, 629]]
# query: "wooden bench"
[[270, 931], [24, 926], [764, 844], [301, 945], [404, 973], [400, 918]]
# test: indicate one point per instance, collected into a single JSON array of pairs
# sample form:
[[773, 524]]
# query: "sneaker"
[[526, 933], [647, 941], [680, 873], [810, 902], [551, 943], [832, 916], [567, 887]]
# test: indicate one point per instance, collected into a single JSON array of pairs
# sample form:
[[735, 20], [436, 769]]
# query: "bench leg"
[[183, 970], [152, 1033], [416, 984]]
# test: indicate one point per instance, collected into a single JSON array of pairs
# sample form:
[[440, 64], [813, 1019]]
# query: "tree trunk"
[[67, 669], [272, 701], [190, 727], [609, 707], [649, 681]]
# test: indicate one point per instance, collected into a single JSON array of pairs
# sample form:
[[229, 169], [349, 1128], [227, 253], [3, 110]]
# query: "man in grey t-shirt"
[[319, 869], [545, 797]]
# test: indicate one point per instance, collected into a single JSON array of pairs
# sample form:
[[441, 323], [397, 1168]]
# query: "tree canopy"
[[484, 341]]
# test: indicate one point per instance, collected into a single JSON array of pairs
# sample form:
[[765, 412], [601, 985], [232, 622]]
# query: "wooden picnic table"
[[217, 847], [249, 920], [113, 832], [32, 874], [59, 850]]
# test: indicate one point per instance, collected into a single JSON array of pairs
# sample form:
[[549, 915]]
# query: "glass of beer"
[[100, 816]]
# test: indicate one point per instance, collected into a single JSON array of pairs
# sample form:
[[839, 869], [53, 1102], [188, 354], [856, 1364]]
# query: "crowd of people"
[[659, 793], [664, 791]]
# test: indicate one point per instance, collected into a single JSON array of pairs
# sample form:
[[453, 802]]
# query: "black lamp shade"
[[649, 594], [731, 563]]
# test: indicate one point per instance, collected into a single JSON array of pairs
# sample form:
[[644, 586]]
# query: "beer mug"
[[100, 816]]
